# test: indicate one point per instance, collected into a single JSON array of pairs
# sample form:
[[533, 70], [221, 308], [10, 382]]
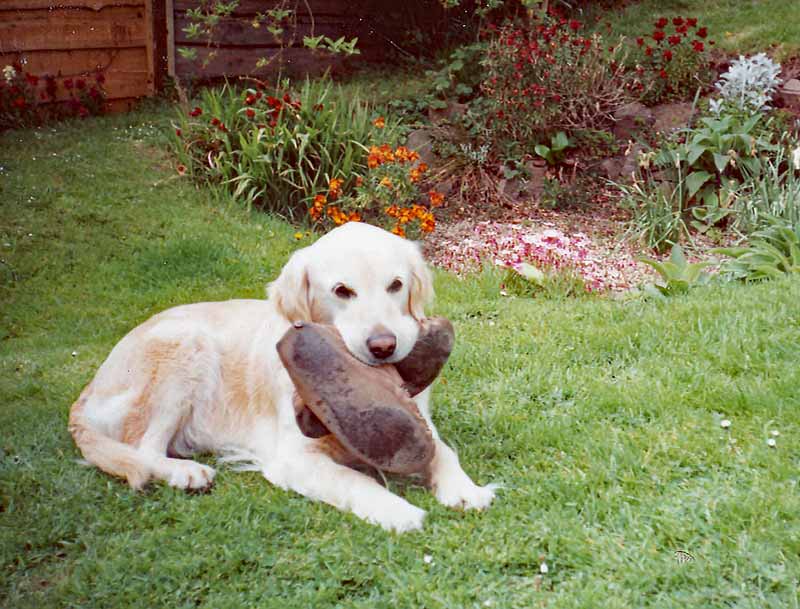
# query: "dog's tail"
[[111, 456]]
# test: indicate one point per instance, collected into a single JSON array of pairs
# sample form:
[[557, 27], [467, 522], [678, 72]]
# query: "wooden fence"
[[134, 42], [70, 39]]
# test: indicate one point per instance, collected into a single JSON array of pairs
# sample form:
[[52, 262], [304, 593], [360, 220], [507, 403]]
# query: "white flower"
[[771, 443], [427, 559], [796, 158], [775, 433], [9, 73], [543, 568], [725, 423]]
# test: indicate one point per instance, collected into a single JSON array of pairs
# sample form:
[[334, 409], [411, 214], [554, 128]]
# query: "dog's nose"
[[382, 344]]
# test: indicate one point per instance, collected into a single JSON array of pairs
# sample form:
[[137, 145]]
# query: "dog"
[[206, 378]]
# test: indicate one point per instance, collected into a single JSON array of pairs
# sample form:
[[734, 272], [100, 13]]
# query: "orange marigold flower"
[[379, 122], [373, 161], [320, 200], [399, 231], [413, 155], [315, 213], [402, 154], [437, 198], [336, 215], [354, 217], [414, 175], [422, 167], [427, 225], [335, 187], [387, 182], [359, 180], [418, 210], [392, 211]]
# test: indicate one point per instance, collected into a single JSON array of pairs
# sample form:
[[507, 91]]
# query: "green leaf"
[[721, 161], [531, 273], [694, 181]]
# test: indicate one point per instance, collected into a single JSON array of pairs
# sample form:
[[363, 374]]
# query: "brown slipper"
[[364, 407]]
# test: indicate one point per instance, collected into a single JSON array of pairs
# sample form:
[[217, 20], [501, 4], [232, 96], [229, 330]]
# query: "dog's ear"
[[290, 292], [420, 292]]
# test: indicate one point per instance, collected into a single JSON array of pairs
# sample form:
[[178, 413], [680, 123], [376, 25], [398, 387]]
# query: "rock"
[[612, 168], [789, 94], [670, 117], [537, 174], [421, 140], [630, 119], [453, 110], [631, 162]]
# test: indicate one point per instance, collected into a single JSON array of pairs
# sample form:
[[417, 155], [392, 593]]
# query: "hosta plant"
[[677, 274], [773, 251]]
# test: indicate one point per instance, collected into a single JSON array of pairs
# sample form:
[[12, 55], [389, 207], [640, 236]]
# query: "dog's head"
[[370, 284]]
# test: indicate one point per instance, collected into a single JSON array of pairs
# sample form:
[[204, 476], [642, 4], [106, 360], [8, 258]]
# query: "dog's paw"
[[465, 494], [190, 475], [394, 514]]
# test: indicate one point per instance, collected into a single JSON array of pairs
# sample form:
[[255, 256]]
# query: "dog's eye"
[[395, 286], [342, 291]]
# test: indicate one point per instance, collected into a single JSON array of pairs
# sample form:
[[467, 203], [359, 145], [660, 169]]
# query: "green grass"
[[600, 417], [737, 26]]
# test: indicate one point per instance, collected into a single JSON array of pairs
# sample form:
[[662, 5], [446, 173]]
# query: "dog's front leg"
[[450, 483], [302, 465]]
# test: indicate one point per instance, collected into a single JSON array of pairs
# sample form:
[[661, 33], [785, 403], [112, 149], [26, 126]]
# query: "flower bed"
[[602, 266]]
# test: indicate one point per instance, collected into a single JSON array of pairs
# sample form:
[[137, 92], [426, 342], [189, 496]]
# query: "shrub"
[[544, 76], [672, 61], [277, 149], [28, 99], [747, 85], [389, 195]]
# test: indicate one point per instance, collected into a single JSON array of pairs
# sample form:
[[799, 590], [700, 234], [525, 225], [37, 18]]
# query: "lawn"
[[600, 417]]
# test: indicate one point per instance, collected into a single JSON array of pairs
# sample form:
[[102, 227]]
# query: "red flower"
[[648, 51], [702, 32], [196, 112], [273, 102], [215, 122], [698, 46], [674, 40], [677, 21], [83, 112], [286, 98], [68, 84], [80, 83], [691, 21], [32, 79], [20, 102], [250, 99], [661, 23], [682, 29], [250, 113], [574, 25], [663, 73], [640, 41], [658, 35], [667, 55], [178, 132]]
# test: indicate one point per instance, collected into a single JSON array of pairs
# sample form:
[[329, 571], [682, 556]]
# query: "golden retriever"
[[207, 378]]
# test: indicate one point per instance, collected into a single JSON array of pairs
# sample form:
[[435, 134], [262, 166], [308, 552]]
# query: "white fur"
[[207, 378]]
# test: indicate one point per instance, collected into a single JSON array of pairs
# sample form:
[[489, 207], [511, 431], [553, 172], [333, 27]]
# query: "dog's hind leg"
[[127, 430]]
